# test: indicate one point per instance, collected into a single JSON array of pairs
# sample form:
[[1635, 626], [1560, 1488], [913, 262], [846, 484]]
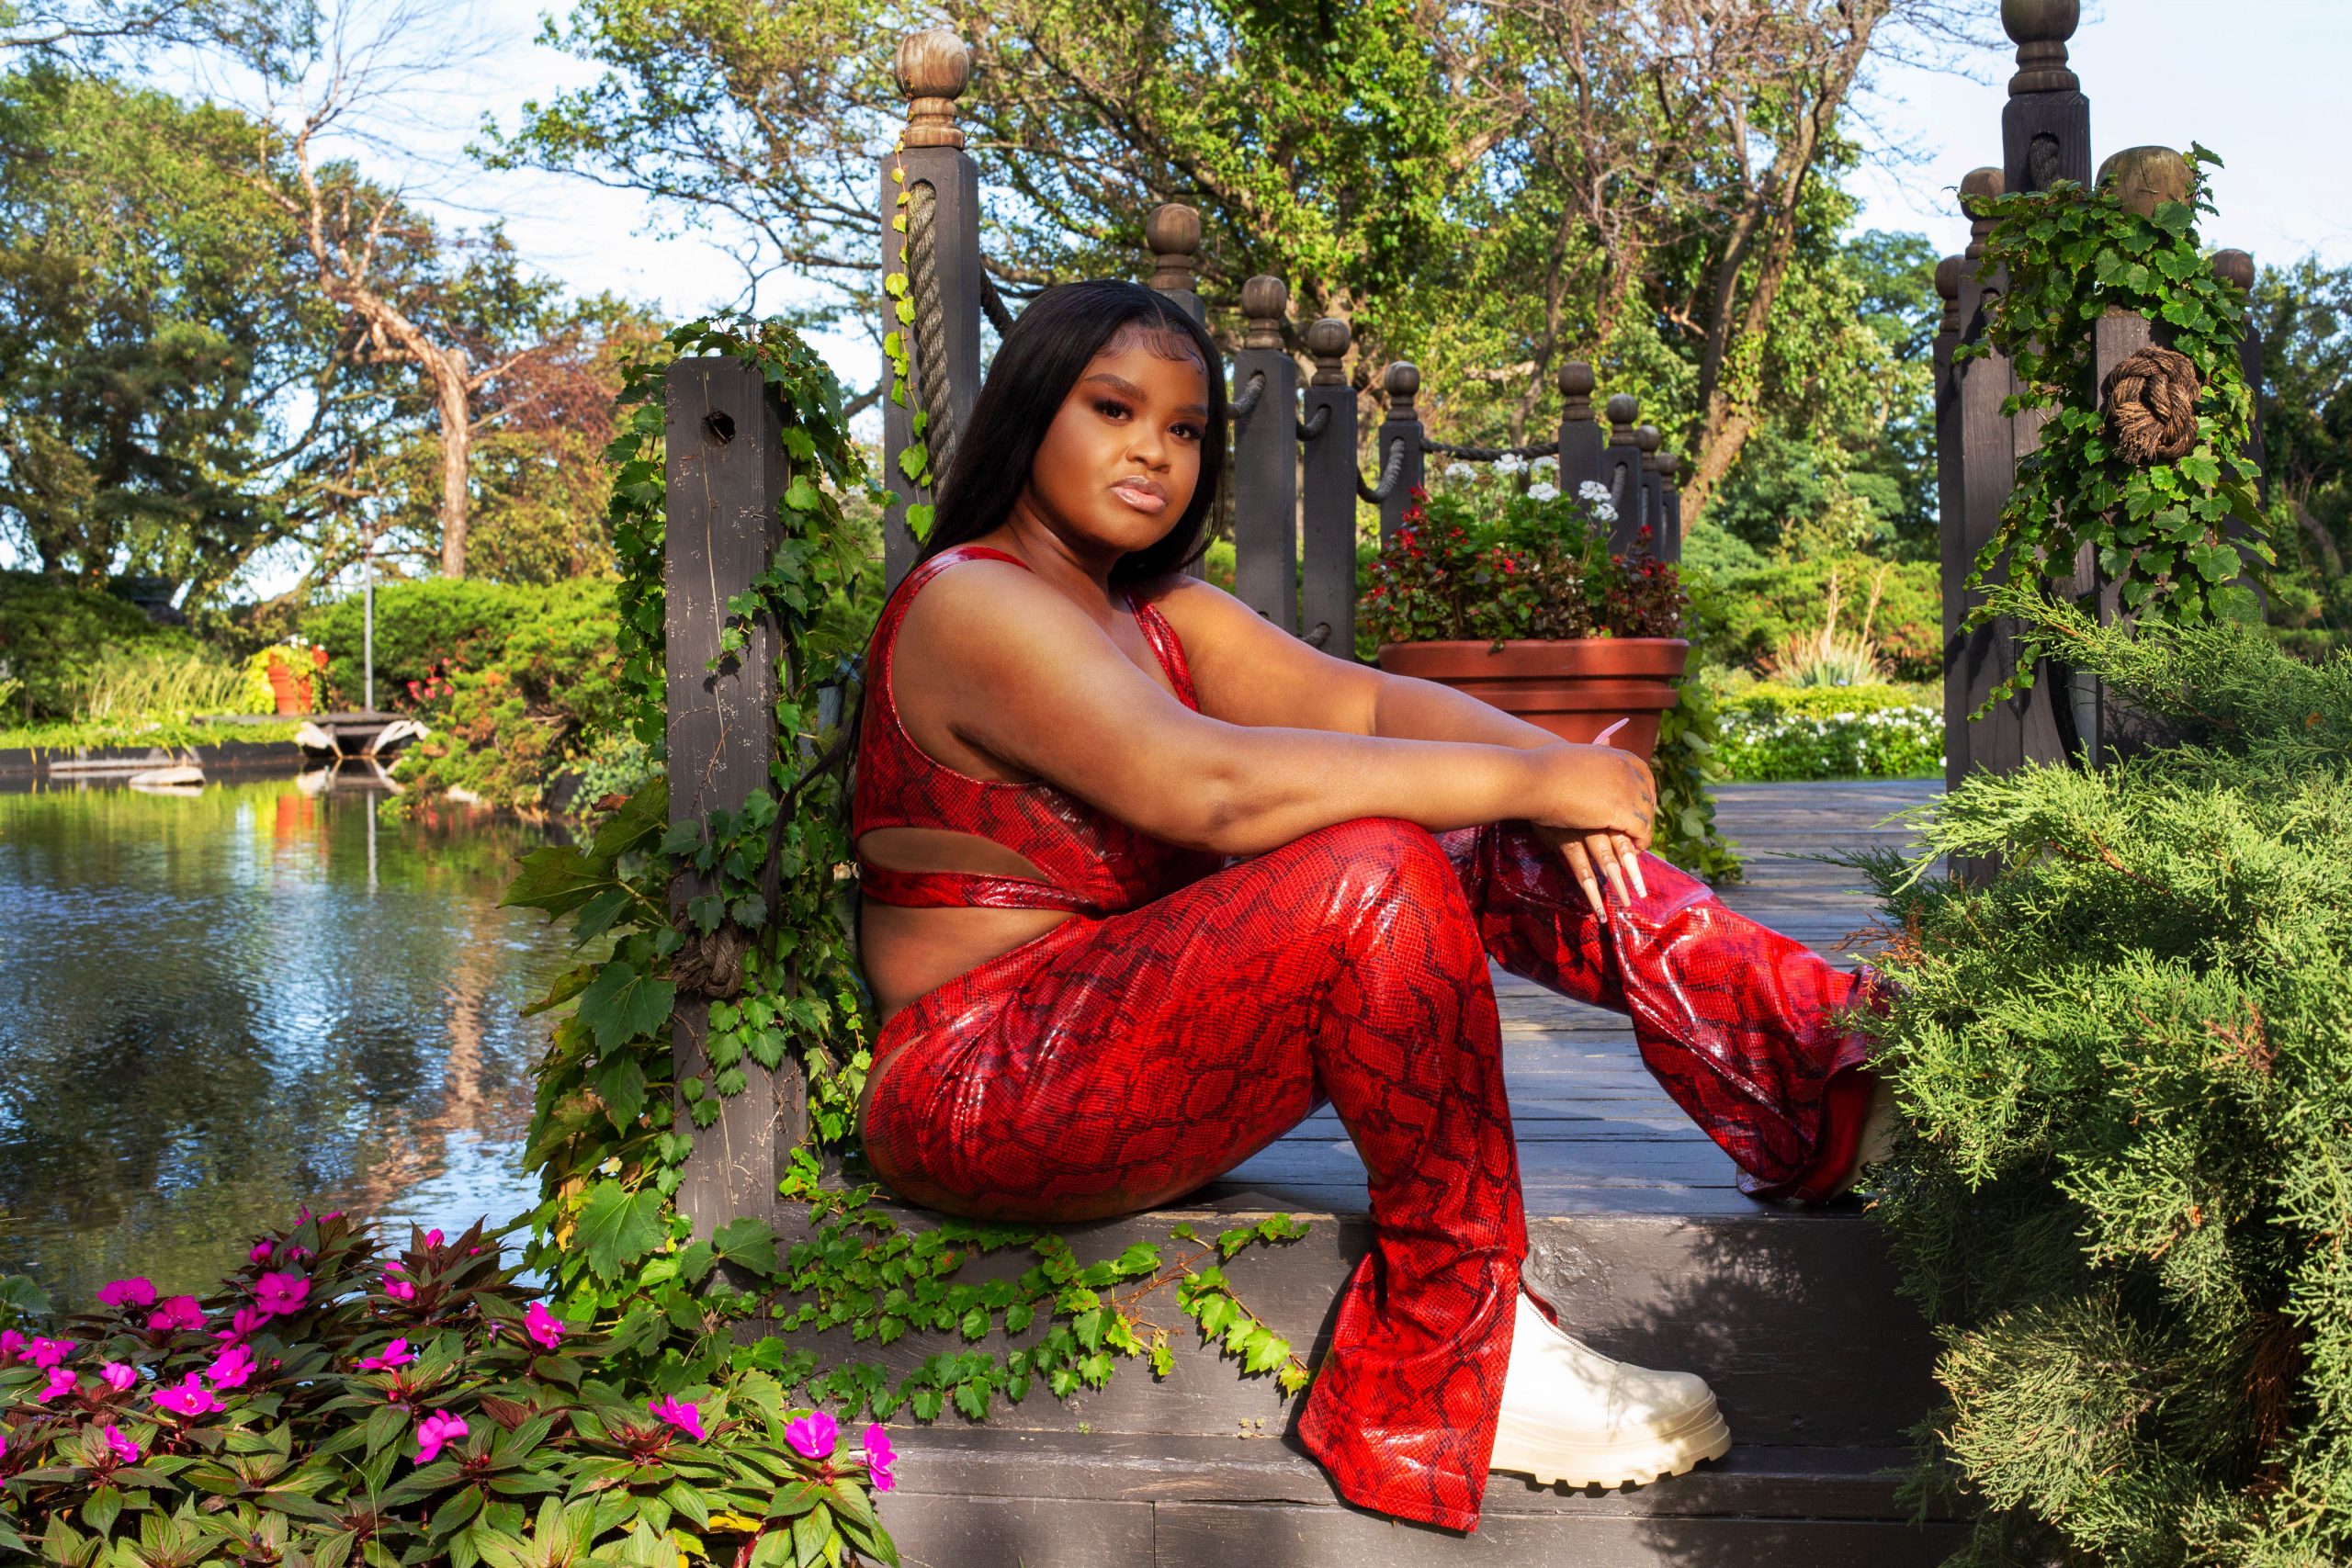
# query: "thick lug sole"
[[1527, 1449]]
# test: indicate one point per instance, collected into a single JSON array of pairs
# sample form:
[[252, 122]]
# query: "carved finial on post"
[[1622, 411], [1948, 290], [2040, 28], [932, 67], [2235, 267], [2145, 177], [1173, 233], [1265, 301], [1576, 391], [1978, 184], [1328, 341], [1403, 383], [1648, 438]]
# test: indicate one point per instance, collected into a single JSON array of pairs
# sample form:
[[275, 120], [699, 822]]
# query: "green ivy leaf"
[[617, 1226], [623, 1005]]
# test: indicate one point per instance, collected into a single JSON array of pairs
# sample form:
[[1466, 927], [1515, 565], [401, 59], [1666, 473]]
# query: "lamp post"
[[367, 624]]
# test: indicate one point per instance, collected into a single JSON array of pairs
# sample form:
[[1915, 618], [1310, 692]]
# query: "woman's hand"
[[1606, 804]]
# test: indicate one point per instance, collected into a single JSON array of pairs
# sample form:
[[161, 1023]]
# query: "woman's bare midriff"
[[909, 952]]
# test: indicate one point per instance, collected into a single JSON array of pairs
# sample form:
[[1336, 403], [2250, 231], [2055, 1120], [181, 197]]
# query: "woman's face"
[[1119, 463]]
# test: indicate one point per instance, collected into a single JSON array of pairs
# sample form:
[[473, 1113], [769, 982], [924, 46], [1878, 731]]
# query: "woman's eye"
[[1191, 431], [1110, 408]]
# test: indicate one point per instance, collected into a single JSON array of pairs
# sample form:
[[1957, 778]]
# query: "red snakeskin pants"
[[1113, 1064]]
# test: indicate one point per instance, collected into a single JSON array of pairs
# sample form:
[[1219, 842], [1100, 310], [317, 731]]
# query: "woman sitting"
[[1148, 880]]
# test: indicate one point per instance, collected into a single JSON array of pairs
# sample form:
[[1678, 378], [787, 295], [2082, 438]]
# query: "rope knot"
[[2151, 401]]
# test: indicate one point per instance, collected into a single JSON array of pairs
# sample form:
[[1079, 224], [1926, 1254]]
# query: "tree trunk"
[[457, 447]]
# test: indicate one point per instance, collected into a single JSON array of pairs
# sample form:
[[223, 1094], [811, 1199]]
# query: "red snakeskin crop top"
[[1093, 862]]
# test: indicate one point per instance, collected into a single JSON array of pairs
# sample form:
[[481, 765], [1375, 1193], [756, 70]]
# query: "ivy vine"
[[772, 941], [2071, 254]]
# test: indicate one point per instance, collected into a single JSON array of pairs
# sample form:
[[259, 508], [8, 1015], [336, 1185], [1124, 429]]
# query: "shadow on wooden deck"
[[1636, 1232]]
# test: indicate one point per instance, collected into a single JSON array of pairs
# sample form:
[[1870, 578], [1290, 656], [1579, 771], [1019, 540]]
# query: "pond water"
[[215, 1007]]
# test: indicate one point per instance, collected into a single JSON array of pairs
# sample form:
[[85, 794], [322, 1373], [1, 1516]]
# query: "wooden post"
[[1328, 610], [1580, 462], [1620, 471], [1950, 507], [1400, 432], [1265, 458], [1974, 659], [2046, 124], [932, 68], [1173, 232], [1648, 438], [2236, 268], [725, 467], [1669, 468]]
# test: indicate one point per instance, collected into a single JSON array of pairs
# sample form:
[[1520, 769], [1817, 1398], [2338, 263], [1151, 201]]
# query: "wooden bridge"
[[1635, 1229]]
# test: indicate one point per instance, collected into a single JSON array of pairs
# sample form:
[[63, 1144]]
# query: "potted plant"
[[279, 678], [1513, 595]]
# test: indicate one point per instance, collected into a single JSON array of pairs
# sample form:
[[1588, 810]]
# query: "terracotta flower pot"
[[1574, 688], [292, 691]]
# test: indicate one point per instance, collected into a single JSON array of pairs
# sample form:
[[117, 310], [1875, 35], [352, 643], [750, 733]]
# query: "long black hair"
[[1037, 363]]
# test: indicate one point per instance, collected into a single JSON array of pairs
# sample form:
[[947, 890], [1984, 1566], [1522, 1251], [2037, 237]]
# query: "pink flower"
[[244, 1322], [61, 1381], [879, 1456], [132, 1293], [125, 1451], [178, 1312], [191, 1398], [119, 1375], [677, 1413], [232, 1367], [543, 1325], [814, 1435], [12, 1345], [434, 1430], [396, 1354], [279, 1294], [399, 1290], [48, 1352], [432, 1238], [261, 1251]]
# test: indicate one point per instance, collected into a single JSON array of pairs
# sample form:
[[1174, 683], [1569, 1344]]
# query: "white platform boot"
[[1571, 1414]]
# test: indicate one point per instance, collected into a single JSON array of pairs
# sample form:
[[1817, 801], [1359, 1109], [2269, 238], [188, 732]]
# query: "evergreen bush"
[[2126, 1201], [55, 636], [1742, 609], [425, 631]]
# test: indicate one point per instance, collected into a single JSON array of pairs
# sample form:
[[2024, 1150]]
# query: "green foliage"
[[1772, 732], [54, 636], [2125, 1201], [298, 1389], [2162, 534], [425, 630], [2304, 316], [1745, 607]]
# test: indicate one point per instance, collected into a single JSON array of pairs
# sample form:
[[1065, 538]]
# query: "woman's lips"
[[1141, 497]]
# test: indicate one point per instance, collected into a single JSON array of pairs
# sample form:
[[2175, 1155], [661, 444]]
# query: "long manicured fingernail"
[[1593, 893], [1640, 884], [1602, 739]]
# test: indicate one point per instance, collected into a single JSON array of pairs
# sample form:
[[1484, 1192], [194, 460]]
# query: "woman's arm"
[[1027, 680]]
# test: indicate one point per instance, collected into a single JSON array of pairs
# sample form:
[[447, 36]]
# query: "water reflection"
[[215, 1007]]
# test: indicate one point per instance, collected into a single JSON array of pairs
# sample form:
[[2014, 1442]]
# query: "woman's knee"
[[1377, 859]]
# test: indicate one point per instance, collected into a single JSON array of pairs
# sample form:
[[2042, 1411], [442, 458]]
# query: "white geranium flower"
[[1460, 473], [1509, 463], [1593, 490], [1540, 491], [1546, 460], [1604, 512]]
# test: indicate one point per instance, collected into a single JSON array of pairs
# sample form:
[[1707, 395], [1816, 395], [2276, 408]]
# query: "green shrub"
[[1689, 758], [2127, 1200], [1743, 610], [54, 636], [335, 1402], [527, 702], [1772, 732], [423, 630]]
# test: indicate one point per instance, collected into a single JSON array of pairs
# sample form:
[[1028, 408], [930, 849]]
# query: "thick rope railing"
[[1308, 429], [1380, 492], [1240, 407], [993, 307], [930, 324]]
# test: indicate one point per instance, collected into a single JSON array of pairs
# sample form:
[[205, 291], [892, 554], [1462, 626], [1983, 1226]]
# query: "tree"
[[1489, 187], [169, 405]]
